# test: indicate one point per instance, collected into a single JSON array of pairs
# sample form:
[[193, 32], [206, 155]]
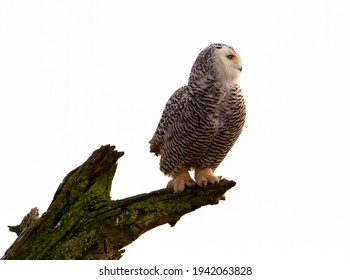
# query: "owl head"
[[216, 63]]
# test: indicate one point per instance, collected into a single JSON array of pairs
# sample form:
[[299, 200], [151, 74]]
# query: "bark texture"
[[82, 222]]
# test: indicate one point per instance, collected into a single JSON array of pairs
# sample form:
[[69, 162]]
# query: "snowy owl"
[[202, 120]]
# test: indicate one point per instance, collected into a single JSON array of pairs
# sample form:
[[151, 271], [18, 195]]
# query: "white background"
[[75, 75]]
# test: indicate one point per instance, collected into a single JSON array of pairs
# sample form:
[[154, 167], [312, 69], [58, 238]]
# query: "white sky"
[[75, 75]]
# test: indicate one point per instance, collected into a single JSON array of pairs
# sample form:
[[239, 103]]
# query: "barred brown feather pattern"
[[201, 121]]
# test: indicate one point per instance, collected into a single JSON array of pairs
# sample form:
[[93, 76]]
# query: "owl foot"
[[180, 181], [203, 176]]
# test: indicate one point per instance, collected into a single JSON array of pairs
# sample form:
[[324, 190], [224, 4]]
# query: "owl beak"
[[240, 69]]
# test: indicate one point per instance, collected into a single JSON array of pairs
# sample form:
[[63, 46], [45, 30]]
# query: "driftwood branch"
[[83, 222]]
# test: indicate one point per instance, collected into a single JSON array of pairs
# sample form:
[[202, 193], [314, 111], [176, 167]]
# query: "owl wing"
[[172, 110]]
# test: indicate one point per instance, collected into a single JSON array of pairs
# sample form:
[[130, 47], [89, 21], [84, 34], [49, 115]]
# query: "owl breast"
[[227, 118]]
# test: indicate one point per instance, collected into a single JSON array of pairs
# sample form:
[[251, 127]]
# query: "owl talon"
[[202, 182], [205, 176], [180, 181], [170, 184]]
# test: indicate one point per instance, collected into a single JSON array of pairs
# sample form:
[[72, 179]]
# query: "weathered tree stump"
[[83, 222]]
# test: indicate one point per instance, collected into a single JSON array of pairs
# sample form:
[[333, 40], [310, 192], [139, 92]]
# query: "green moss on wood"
[[82, 221]]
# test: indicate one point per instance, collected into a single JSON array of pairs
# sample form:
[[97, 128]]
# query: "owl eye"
[[230, 56]]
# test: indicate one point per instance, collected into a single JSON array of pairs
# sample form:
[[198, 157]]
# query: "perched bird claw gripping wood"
[[203, 176], [202, 120], [181, 180]]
